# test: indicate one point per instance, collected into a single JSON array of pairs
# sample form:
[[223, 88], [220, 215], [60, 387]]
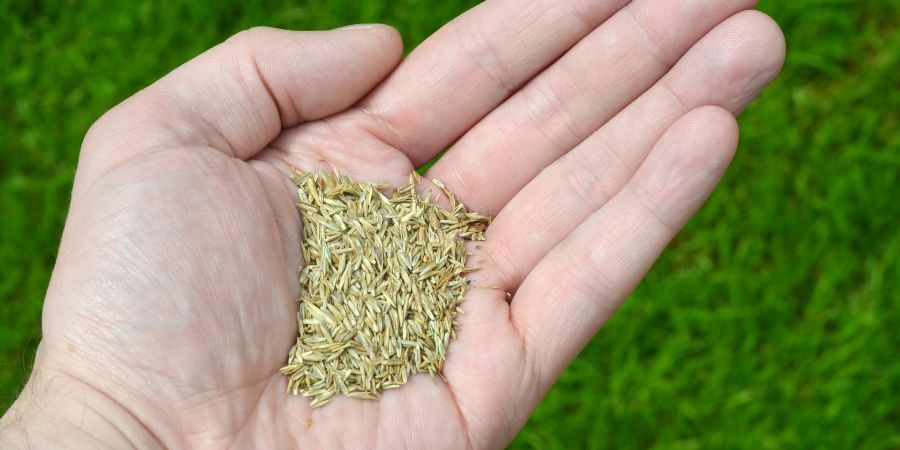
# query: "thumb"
[[237, 96]]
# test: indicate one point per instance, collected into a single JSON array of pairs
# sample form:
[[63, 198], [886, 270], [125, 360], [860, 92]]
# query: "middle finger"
[[574, 97]]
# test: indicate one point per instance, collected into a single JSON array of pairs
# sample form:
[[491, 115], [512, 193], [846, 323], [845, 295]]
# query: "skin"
[[592, 130]]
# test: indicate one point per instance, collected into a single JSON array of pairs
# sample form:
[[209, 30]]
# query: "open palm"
[[591, 129]]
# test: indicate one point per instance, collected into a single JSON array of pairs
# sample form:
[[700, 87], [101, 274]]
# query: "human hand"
[[591, 129]]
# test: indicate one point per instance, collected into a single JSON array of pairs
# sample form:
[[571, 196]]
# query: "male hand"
[[591, 129]]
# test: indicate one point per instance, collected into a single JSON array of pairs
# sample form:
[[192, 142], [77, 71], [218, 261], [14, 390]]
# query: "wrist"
[[56, 410]]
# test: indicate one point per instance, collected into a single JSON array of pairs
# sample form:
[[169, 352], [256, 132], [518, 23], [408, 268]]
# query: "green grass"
[[772, 322]]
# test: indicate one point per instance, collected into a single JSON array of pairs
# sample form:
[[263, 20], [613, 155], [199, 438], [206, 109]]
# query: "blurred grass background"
[[772, 321]]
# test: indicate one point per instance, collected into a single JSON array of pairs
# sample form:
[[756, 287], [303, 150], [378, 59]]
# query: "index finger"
[[471, 65]]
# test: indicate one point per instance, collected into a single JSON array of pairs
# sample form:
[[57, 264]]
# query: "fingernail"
[[361, 26]]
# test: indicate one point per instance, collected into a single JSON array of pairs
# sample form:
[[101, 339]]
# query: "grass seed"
[[381, 286]]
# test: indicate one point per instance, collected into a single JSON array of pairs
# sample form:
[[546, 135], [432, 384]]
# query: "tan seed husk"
[[381, 285]]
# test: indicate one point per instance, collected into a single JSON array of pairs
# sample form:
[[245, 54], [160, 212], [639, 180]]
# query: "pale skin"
[[591, 129]]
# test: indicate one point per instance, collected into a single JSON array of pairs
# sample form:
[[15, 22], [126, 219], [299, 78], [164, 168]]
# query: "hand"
[[591, 129]]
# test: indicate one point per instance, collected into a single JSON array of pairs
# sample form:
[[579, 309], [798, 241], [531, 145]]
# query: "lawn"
[[773, 321]]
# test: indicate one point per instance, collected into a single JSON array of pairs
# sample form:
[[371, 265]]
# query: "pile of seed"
[[381, 285]]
